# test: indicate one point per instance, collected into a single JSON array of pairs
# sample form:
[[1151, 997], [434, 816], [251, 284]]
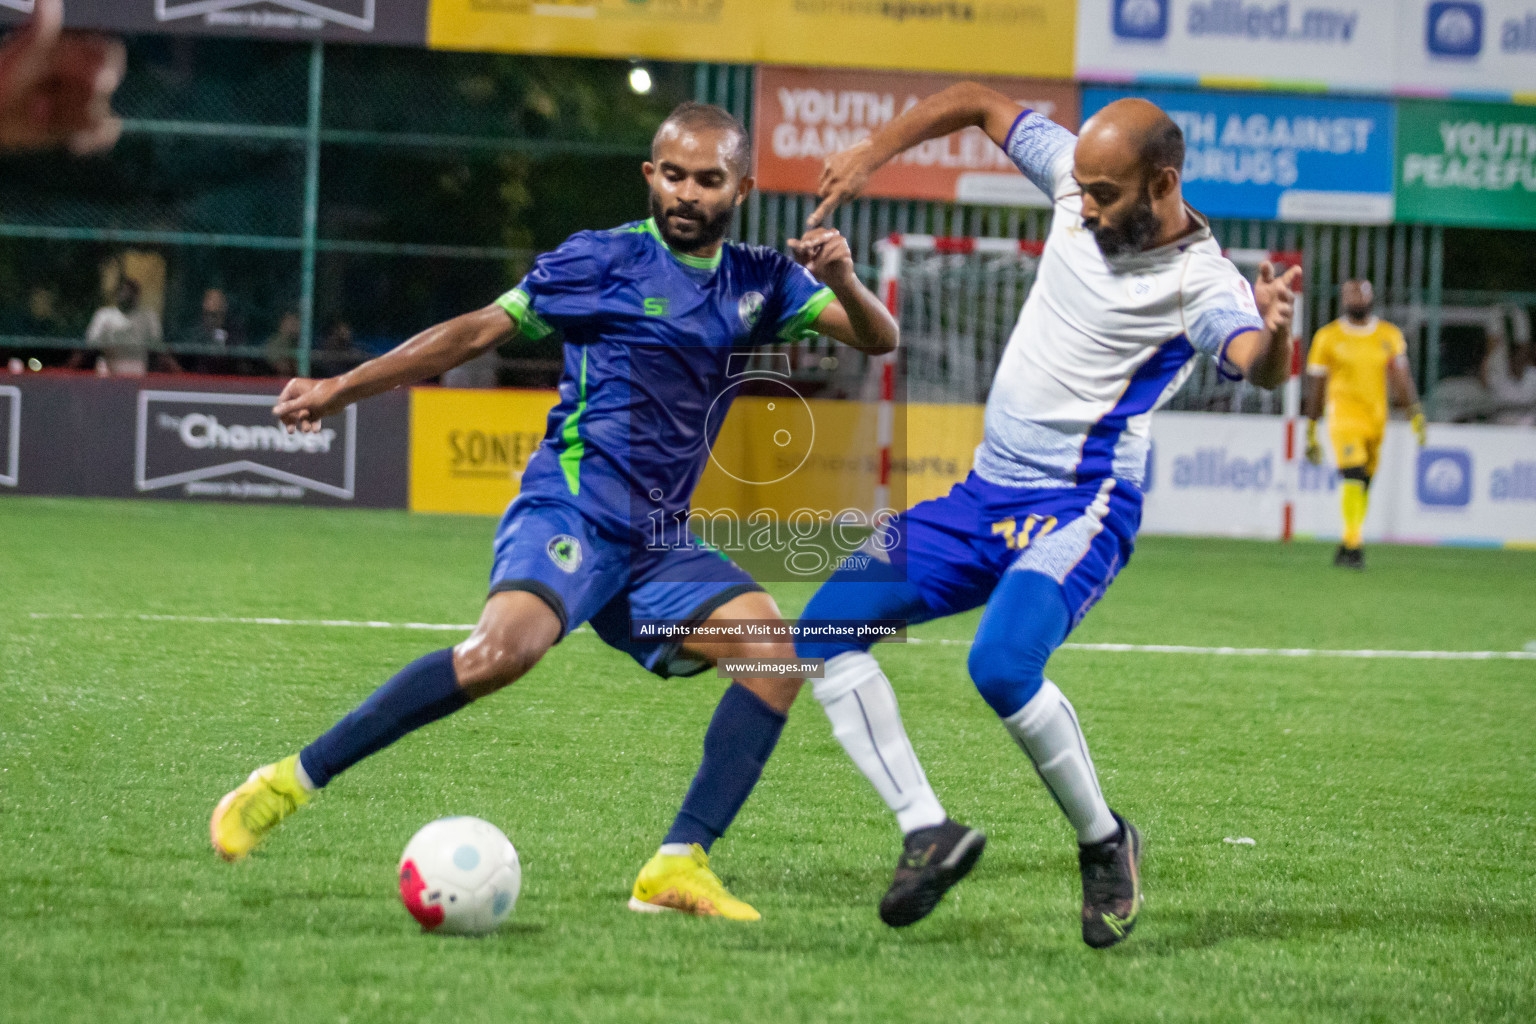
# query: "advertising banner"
[[1466, 163], [200, 439], [982, 37], [1337, 44], [1294, 158], [803, 115], [344, 21], [211, 444], [469, 448], [1214, 475], [10, 436], [1467, 47]]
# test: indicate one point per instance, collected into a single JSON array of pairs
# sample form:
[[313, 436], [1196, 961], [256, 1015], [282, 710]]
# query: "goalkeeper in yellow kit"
[[1355, 359]]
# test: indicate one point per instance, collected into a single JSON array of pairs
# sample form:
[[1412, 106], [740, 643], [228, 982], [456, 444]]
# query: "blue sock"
[[1025, 621], [422, 692], [742, 734]]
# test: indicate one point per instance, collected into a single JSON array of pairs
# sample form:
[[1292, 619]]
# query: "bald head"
[[1135, 131], [1128, 162]]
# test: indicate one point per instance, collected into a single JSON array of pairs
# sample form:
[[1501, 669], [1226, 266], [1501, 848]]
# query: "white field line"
[[1245, 652]]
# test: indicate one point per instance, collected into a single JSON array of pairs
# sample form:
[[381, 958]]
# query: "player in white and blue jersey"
[[651, 315], [1131, 288]]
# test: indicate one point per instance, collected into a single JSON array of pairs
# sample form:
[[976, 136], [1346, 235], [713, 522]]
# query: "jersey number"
[[1019, 539]]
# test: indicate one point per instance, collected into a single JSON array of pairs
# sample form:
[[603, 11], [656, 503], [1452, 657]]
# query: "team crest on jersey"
[[750, 308], [565, 551]]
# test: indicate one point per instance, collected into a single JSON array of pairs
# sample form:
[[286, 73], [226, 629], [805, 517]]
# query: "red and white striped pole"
[[1290, 402], [890, 251], [885, 409]]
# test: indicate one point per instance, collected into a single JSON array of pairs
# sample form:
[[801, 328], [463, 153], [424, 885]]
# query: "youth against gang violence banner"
[[802, 115], [1017, 37], [343, 21], [1467, 163], [1294, 158]]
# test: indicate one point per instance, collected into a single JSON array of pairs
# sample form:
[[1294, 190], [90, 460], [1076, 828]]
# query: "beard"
[[705, 229], [1358, 312], [1137, 231]]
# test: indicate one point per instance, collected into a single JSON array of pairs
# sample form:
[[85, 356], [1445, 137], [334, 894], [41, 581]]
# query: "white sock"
[[1046, 730], [675, 849], [866, 721], [303, 776]]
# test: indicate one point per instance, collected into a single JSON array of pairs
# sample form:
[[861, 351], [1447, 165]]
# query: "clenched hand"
[[56, 87]]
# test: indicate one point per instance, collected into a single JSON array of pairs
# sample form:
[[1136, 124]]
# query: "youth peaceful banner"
[[1466, 163]]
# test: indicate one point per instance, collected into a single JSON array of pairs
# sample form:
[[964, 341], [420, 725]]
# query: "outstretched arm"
[[1264, 356], [963, 105], [858, 318], [304, 401]]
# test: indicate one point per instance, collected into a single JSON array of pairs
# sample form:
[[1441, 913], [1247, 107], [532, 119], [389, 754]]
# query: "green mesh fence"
[[335, 199]]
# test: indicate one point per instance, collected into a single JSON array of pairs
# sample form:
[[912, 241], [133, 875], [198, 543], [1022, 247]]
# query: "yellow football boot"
[[684, 883], [246, 815]]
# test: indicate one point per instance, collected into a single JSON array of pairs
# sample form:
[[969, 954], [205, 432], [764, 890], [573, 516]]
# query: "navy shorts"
[[547, 547]]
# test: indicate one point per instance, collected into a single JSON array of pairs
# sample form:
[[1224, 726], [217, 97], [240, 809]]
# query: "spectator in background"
[[213, 335], [282, 344], [1510, 374], [336, 352], [56, 87], [126, 337], [42, 319]]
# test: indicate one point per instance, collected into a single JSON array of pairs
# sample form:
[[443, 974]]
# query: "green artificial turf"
[[1392, 803]]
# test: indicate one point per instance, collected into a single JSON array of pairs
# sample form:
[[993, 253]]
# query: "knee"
[[777, 691], [1007, 671], [487, 662]]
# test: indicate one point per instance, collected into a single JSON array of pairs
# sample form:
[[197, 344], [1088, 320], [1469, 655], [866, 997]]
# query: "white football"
[[460, 876]]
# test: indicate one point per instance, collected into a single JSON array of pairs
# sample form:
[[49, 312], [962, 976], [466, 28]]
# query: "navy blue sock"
[[422, 692], [742, 734]]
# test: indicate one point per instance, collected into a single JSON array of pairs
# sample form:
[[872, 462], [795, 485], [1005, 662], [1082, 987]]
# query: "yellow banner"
[[1007, 37], [469, 448]]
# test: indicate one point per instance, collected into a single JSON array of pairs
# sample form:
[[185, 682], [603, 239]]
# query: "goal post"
[[957, 298]]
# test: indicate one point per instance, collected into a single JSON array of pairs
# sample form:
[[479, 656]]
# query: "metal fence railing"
[[335, 198]]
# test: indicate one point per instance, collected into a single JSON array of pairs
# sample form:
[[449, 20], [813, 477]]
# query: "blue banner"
[[1293, 158]]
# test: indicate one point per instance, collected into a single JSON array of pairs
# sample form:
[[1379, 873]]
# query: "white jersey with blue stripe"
[[1100, 344]]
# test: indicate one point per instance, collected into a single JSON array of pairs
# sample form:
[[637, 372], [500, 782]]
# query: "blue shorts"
[[951, 552], [547, 547]]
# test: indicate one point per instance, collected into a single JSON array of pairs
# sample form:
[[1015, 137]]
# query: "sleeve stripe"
[[1015, 126], [798, 327], [1222, 365], [519, 307]]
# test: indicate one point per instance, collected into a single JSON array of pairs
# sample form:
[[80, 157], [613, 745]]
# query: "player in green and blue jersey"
[[651, 314]]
